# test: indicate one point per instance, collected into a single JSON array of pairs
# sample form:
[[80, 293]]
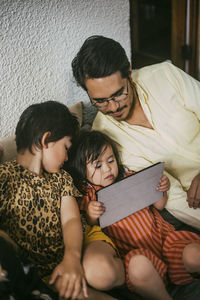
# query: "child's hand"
[[68, 278], [95, 210], [164, 184]]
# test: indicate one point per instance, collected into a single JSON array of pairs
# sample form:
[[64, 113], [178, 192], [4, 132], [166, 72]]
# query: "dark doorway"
[[165, 30], [151, 26]]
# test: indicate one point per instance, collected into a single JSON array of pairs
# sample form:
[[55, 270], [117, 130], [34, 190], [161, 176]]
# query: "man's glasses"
[[103, 103]]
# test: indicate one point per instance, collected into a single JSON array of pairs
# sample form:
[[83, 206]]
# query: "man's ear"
[[44, 139]]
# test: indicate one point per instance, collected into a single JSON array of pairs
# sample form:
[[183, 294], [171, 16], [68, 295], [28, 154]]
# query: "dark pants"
[[18, 277], [190, 291], [178, 225]]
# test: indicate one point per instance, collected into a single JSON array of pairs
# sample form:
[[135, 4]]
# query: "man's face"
[[108, 88]]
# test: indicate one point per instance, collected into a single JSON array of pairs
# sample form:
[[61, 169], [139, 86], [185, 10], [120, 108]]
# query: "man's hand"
[[94, 211], [68, 278], [193, 194]]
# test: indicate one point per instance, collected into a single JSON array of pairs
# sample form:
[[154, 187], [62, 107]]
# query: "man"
[[152, 114]]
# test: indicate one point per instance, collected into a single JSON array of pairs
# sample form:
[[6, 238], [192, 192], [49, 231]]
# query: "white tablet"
[[130, 194]]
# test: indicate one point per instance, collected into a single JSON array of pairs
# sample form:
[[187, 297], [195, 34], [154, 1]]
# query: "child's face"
[[104, 170], [55, 154]]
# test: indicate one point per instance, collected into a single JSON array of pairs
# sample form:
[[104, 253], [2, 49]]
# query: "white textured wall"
[[38, 40]]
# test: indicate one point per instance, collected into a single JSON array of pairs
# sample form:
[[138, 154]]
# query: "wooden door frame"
[[179, 10], [178, 32]]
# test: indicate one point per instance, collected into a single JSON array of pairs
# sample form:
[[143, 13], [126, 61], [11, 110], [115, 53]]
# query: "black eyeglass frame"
[[105, 102]]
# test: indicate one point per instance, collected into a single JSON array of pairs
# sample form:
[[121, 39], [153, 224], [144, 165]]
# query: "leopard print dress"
[[30, 212]]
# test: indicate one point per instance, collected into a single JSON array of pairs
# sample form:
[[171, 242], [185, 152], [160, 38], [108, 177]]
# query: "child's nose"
[[107, 167]]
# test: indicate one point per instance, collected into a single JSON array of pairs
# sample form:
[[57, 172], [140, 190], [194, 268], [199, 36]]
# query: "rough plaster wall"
[[38, 40]]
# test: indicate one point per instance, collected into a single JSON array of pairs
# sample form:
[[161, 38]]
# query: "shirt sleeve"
[[187, 87], [89, 196], [68, 188]]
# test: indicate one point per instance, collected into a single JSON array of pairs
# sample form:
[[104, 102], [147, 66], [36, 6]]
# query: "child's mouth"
[[109, 177]]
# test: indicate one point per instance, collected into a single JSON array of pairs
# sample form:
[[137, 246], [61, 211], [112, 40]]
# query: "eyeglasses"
[[103, 103]]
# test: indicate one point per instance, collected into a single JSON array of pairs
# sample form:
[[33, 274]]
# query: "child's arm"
[[94, 210], [163, 186], [68, 276]]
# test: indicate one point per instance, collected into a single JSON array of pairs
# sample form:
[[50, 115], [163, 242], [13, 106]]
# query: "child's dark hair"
[[39, 118], [87, 147]]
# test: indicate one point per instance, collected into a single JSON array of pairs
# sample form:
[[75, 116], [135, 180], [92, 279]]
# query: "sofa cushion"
[[77, 110], [9, 148]]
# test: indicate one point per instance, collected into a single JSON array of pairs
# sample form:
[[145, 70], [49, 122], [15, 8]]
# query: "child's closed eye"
[[98, 166], [111, 161]]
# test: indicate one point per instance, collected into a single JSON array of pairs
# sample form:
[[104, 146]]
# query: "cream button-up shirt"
[[170, 99]]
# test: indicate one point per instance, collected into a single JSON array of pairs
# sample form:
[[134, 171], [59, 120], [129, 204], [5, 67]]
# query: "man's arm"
[[193, 194], [191, 91], [178, 206]]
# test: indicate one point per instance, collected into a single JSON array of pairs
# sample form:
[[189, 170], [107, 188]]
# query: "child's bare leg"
[[191, 257], [103, 269], [146, 280]]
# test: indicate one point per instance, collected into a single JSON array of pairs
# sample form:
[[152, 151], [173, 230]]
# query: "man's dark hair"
[[87, 147], [49, 116], [99, 57]]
